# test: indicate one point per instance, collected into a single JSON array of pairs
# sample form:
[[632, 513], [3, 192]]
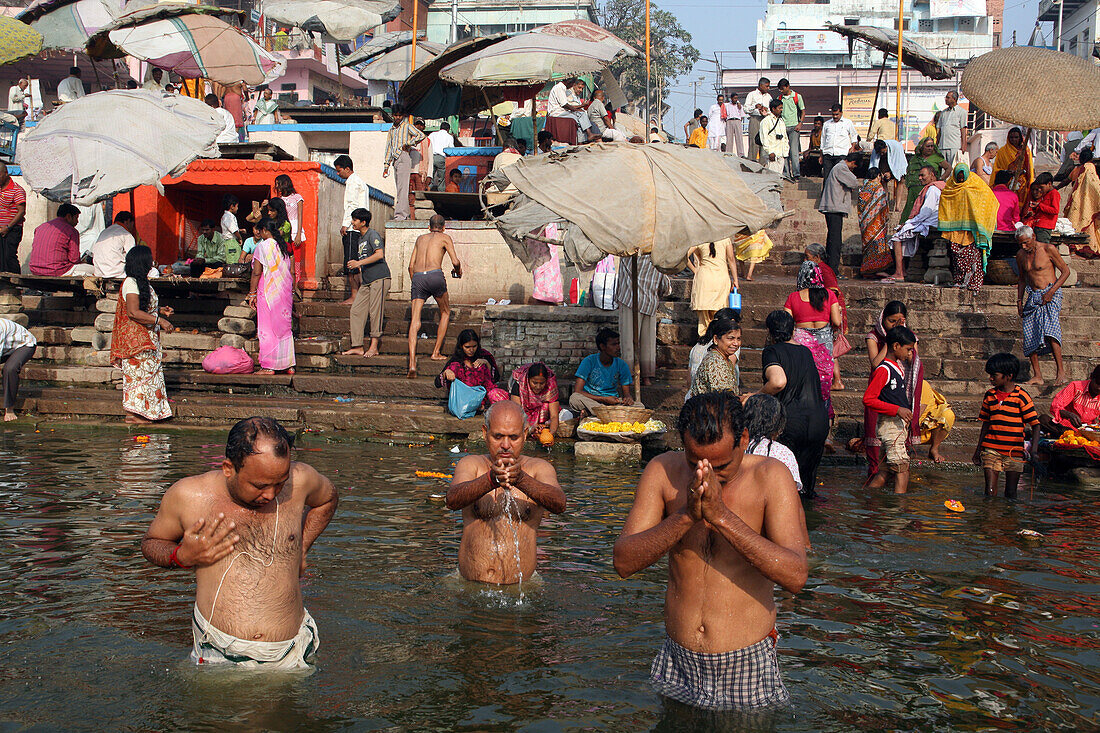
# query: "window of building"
[[1073, 45], [904, 26], [925, 25], [966, 24], [851, 21]]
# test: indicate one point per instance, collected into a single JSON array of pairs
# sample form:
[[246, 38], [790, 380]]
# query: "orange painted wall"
[[162, 219]]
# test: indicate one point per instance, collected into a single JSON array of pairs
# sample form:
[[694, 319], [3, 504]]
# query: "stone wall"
[[560, 336]]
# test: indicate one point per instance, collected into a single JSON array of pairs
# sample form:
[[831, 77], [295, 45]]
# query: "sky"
[[736, 31]]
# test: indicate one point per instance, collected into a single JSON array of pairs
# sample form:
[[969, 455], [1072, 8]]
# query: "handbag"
[[463, 400], [841, 345], [237, 269]]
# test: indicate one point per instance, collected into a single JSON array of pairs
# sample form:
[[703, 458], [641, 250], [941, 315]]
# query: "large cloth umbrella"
[[199, 46], [17, 40], [913, 54], [341, 20], [625, 199], [378, 45], [111, 142], [1009, 84], [424, 94], [67, 24], [534, 57], [393, 65]]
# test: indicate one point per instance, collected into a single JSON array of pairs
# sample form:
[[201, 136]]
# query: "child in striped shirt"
[[1007, 410]]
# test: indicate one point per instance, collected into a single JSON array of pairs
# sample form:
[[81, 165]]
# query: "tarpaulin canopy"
[[137, 12], [530, 58], [110, 142], [199, 46], [624, 199], [67, 24], [913, 54], [17, 40], [1029, 99], [341, 20], [393, 65]]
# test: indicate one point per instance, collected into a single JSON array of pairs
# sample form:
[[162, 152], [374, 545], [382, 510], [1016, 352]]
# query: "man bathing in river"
[[426, 275], [503, 496], [246, 529], [733, 528]]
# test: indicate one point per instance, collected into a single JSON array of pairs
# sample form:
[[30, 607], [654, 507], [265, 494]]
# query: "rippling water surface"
[[914, 618]]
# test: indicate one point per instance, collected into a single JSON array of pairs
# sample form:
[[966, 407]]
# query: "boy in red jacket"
[[886, 395], [1042, 207]]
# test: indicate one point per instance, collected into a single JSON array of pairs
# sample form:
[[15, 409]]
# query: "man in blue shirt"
[[602, 378]]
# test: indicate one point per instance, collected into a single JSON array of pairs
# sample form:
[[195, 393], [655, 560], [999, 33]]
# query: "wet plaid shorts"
[[744, 679]]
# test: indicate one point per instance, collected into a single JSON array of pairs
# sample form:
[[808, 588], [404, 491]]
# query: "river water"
[[914, 618]]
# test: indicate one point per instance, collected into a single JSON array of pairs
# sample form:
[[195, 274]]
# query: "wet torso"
[[260, 598], [493, 527], [716, 600], [428, 252]]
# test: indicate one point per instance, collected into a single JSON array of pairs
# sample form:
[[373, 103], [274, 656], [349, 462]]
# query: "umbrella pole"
[[496, 130], [878, 86], [901, 24], [634, 324]]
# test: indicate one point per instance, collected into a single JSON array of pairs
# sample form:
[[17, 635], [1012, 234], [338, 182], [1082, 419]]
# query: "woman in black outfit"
[[791, 376]]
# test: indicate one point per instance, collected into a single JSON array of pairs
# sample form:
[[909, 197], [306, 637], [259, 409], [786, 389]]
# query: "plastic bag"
[[228, 360], [463, 400]]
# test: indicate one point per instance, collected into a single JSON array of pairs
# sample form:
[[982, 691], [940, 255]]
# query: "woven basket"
[[622, 413], [999, 272], [1005, 82]]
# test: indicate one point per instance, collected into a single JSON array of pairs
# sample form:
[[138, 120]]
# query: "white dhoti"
[[212, 646]]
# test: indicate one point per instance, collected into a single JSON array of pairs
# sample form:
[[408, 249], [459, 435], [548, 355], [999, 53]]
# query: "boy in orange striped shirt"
[[1007, 410]]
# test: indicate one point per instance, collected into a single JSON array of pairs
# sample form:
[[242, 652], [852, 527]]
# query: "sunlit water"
[[914, 618]]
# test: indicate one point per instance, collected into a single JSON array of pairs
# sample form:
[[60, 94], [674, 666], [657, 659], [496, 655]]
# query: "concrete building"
[[792, 41], [473, 18], [1079, 29]]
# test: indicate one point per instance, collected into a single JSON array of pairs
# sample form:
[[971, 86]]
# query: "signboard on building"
[[921, 106], [817, 40], [957, 8]]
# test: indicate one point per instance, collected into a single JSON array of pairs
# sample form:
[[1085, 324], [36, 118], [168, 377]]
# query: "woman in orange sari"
[[1083, 209], [1016, 157]]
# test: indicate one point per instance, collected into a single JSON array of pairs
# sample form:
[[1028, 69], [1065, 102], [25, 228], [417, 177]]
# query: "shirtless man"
[[246, 530], [426, 273], [502, 494], [1039, 301], [733, 528]]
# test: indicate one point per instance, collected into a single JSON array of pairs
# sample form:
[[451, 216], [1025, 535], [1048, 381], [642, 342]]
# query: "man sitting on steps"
[[602, 378]]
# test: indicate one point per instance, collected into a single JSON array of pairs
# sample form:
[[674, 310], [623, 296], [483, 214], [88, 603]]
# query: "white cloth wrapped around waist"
[[212, 646]]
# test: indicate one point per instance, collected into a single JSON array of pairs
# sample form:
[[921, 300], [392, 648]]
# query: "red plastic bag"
[[228, 360]]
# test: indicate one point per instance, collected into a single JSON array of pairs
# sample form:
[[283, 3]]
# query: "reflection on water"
[[914, 618]]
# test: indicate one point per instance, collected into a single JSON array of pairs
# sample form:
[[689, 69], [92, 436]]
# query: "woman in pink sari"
[[473, 365], [272, 294], [535, 389]]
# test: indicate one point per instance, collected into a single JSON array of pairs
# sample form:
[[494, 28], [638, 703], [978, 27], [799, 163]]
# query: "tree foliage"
[[671, 52]]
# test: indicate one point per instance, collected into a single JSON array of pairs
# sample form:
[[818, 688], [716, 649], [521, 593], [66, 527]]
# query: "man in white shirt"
[[757, 103], [71, 87], [838, 138], [927, 217], [109, 251], [440, 140], [19, 99], [735, 133], [155, 82], [716, 123], [356, 196], [229, 130], [564, 105], [17, 346]]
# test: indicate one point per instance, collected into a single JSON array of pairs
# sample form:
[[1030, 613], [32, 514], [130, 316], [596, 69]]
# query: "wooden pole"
[[881, 73], [901, 27], [647, 57], [416, 22], [636, 366]]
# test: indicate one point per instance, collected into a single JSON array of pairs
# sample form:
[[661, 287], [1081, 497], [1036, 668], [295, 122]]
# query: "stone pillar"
[[11, 306], [238, 322]]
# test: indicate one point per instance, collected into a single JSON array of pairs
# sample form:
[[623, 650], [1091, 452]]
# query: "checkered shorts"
[[744, 679]]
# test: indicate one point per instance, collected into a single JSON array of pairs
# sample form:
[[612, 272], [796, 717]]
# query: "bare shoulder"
[[306, 476], [670, 469], [538, 466], [188, 490], [470, 467], [774, 477]]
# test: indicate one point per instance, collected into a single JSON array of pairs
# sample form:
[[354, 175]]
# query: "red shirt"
[[55, 249], [886, 391], [804, 312], [1075, 397], [10, 197], [1042, 214]]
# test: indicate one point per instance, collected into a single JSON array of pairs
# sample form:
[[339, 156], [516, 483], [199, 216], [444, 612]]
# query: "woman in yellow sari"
[[1016, 157], [968, 217]]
